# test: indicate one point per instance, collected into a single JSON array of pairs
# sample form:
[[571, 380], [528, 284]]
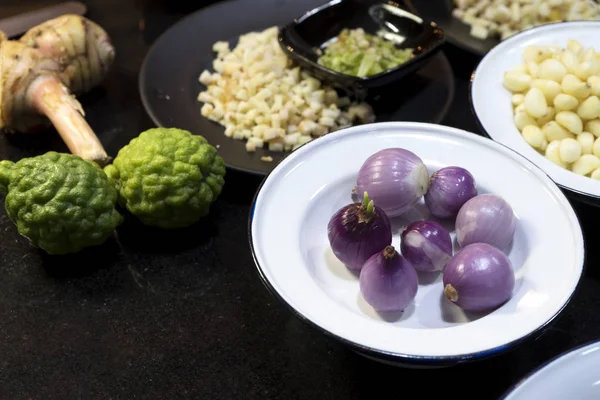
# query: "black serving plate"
[[303, 38], [457, 33], [169, 87]]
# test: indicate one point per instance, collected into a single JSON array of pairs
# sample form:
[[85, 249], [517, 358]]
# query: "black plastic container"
[[305, 36]]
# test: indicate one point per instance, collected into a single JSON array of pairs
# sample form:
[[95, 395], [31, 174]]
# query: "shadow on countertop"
[[83, 263]]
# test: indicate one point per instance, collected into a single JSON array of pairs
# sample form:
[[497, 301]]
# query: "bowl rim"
[[410, 359], [355, 79], [587, 197], [527, 378]]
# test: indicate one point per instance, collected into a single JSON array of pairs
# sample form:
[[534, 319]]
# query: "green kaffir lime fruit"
[[167, 177]]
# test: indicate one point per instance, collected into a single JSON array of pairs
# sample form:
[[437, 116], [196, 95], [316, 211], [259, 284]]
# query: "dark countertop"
[[185, 315]]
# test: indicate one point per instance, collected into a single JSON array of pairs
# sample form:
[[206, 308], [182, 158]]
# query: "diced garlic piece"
[[303, 139], [276, 146], [256, 142], [221, 47], [205, 97], [362, 111], [320, 130], [272, 134], [318, 97], [291, 139], [230, 68], [331, 97], [229, 129], [309, 113], [327, 121], [232, 106], [218, 65], [501, 14], [275, 121], [479, 31], [458, 13], [307, 127], [238, 134], [258, 131], [315, 105], [331, 113], [205, 78], [216, 92], [206, 110], [246, 133], [544, 10], [217, 114]]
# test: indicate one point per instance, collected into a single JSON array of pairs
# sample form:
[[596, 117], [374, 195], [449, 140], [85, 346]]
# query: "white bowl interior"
[[574, 375], [340, 283], [492, 102], [289, 233]]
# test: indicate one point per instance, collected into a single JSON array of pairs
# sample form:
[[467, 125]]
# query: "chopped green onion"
[[358, 53]]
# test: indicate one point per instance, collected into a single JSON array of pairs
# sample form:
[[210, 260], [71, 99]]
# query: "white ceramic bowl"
[[573, 375], [492, 102], [288, 235]]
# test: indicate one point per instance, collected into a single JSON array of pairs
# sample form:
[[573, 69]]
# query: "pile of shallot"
[[478, 277]]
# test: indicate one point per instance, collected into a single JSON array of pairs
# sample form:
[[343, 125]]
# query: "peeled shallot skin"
[[395, 179], [486, 218], [427, 245]]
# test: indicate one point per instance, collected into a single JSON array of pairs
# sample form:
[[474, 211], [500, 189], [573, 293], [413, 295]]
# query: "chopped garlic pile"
[[504, 18], [259, 95]]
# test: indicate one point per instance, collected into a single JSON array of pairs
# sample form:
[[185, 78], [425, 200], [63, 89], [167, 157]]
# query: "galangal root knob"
[[39, 73]]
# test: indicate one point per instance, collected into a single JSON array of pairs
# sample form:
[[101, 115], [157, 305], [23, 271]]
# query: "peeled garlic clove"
[[569, 150], [570, 121], [585, 164], [535, 103]]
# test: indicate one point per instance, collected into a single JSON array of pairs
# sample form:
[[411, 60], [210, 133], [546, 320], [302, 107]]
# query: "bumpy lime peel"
[[60, 202], [167, 177]]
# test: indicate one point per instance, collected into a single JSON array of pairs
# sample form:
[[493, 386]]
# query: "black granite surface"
[[185, 315]]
